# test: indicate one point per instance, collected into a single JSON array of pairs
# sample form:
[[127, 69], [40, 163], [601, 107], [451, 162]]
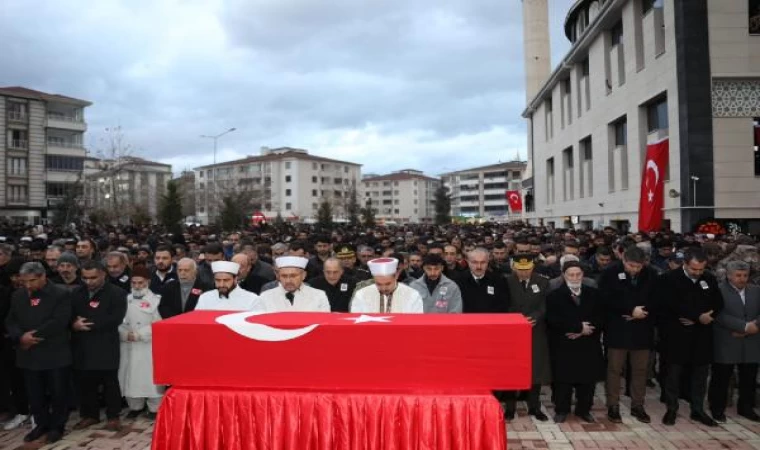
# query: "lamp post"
[[216, 138]]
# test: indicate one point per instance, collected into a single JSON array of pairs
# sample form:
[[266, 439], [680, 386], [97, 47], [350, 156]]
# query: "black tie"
[[289, 296]]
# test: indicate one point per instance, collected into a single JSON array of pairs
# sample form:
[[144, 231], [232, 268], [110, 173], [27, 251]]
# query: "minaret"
[[536, 46]]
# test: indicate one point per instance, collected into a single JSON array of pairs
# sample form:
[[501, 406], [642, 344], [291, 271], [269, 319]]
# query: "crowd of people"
[[631, 310]]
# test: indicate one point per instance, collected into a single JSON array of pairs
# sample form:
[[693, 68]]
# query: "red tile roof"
[[18, 91]]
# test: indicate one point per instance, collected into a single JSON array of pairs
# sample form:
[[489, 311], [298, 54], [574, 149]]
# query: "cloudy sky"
[[435, 85]]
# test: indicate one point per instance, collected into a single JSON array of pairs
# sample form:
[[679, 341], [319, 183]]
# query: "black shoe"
[[560, 418], [132, 414], [749, 415], [703, 418], [150, 415], [640, 414], [669, 418], [509, 415], [613, 413], [54, 436], [538, 414], [719, 417], [35, 434], [586, 417], [650, 383]]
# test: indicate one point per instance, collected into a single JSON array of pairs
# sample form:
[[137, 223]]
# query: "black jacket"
[[575, 360], [490, 295], [49, 312], [339, 295], [253, 283], [73, 286], [156, 285], [122, 281], [679, 298], [171, 298], [620, 297], [98, 349]]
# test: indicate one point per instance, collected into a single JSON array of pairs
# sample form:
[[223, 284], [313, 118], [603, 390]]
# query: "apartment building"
[[286, 181], [120, 185], [405, 196], [42, 152], [481, 191], [639, 72]]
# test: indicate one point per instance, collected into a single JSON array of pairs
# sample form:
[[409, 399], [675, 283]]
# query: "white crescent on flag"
[[514, 197], [237, 322], [651, 165]]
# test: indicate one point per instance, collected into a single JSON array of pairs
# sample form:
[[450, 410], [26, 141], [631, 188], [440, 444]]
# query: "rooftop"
[[278, 154], [503, 165], [406, 174], [18, 91]]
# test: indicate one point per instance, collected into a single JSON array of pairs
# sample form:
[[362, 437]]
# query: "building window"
[[657, 115], [616, 34], [756, 132], [287, 165], [568, 174], [345, 169], [754, 16], [64, 163], [395, 183], [314, 166], [17, 194], [549, 118], [584, 67], [586, 146], [647, 5], [621, 132], [395, 202], [313, 179], [415, 183], [200, 174], [201, 210], [288, 206], [201, 186], [314, 193], [17, 166], [395, 211], [287, 192], [550, 181], [314, 206], [287, 178]]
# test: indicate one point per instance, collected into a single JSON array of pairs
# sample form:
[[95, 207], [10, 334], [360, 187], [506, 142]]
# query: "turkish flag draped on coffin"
[[652, 186], [515, 201]]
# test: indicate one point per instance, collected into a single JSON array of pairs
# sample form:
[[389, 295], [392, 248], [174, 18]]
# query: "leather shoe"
[[538, 414], [132, 414], [719, 417], [586, 417], [749, 415], [113, 425], [703, 418], [35, 434], [560, 418], [509, 415], [613, 413], [54, 436], [85, 423], [669, 418], [640, 414]]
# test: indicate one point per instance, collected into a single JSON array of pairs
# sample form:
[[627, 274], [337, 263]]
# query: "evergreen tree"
[[353, 209], [170, 213], [232, 213], [369, 215], [324, 214], [442, 203]]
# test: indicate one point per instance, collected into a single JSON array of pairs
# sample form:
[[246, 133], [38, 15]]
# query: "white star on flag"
[[365, 318], [651, 196]]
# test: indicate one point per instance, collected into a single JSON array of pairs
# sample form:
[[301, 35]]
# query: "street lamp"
[[694, 190], [216, 137]]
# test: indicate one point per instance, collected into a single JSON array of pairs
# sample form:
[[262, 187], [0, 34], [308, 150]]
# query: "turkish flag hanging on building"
[[652, 186], [515, 201]]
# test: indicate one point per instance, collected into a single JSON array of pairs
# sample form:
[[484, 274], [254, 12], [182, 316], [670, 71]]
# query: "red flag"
[[652, 187], [515, 201]]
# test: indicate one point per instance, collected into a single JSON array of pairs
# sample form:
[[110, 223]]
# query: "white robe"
[[405, 300], [136, 364], [238, 300], [307, 299]]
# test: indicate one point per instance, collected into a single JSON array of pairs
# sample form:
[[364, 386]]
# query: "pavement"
[[523, 433]]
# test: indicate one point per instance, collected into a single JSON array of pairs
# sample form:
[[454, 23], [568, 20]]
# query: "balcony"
[[64, 122], [63, 143], [18, 144], [17, 116]]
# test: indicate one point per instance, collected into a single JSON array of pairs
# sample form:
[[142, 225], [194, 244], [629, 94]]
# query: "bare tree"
[[115, 154]]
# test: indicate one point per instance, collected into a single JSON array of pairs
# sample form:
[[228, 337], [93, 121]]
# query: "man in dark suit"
[[482, 291], [574, 316], [38, 323], [527, 291], [182, 297], [98, 309], [337, 285], [736, 335], [627, 289], [690, 300]]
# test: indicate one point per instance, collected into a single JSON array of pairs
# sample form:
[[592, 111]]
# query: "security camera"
[[694, 178]]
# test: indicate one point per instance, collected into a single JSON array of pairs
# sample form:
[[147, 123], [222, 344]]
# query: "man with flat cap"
[[387, 295], [228, 296], [292, 294]]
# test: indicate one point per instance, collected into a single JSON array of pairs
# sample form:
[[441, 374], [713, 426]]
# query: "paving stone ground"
[[523, 433]]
